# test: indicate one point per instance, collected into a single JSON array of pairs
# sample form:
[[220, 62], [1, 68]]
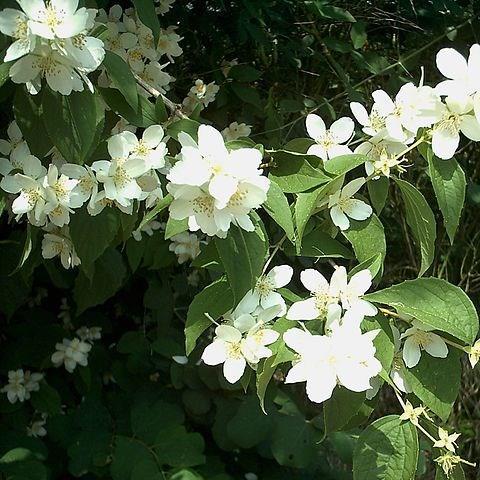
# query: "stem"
[[410, 148], [173, 107], [275, 250], [385, 311]]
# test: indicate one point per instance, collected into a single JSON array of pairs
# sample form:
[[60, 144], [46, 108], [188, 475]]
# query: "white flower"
[[351, 291], [149, 148], [445, 440], [200, 93], [329, 142], [37, 429], [70, 353], [148, 228], [236, 130], [342, 206], [458, 116], [168, 43], [383, 155], [15, 388], [164, 6], [32, 382], [412, 414], [14, 23], [373, 123], [121, 126], [20, 385], [346, 357], [462, 75], [213, 187], [352, 318], [46, 63], [420, 337], [57, 242], [118, 176], [16, 147], [154, 76], [58, 191], [86, 187], [32, 198], [101, 202], [397, 374], [413, 108], [245, 341], [324, 296], [117, 40], [89, 334], [473, 353], [57, 18], [186, 246], [265, 294]]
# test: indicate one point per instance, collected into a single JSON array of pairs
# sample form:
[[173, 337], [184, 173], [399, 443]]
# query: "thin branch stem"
[[175, 108]]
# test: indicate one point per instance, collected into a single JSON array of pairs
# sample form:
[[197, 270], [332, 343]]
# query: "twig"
[[175, 108]]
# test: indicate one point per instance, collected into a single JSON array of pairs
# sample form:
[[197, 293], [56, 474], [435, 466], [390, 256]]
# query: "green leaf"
[[335, 13], [161, 205], [122, 77], [47, 400], [306, 204], [294, 173], [175, 227], [278, 208], [148, 418], [247, 94], [383, 342], [30, 235], [29, 115], [160, 110], [265, 373], [421, 220], [4, 71], [249, 426], [144, 116], [378, 192], [344, 163], [243, 256], [448, 180], [183, 125], [215, 300], [294, 441], [318, 244], [148, 16], [436, 382], [244, 73], [127, 453], [436, 303], [340, 408], [176, 447], [386, 450], [358, 35], [368, 239], [107, 279], [91, 235], [72, 122]]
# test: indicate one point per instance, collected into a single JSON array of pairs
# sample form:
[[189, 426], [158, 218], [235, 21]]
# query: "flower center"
[[121, 177], [234, 351], [237, 199], [21, 29], [142, 148], [53, 18], [450, 123], [322, 301], [86, 183], [264, 286], [377, 122], [205, 205]]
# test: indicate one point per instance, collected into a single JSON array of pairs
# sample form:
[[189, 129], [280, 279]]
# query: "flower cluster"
[[214, 187], [129, 38], [21, 384], [242, 339], [70, 353], [51, 42], [199, 96]]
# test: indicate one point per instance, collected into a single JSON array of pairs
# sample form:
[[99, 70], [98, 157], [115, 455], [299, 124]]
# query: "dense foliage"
[[239, 239]]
